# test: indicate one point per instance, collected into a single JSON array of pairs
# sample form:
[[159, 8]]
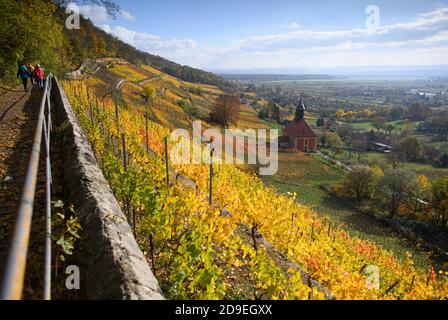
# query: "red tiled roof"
[[299, 129]]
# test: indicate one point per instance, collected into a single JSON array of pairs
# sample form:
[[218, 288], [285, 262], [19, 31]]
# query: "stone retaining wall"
[[111, 263]]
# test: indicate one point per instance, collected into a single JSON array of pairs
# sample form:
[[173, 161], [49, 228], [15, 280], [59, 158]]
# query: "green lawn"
[[398, 125], [376, 158], [304, 175]]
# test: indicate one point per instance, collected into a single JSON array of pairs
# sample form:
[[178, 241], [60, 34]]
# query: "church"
[[298, 134]]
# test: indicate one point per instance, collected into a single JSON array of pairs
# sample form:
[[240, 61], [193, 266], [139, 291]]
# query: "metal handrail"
[[14, 271]]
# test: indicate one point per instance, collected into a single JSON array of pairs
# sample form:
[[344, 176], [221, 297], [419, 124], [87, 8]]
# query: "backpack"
[[23, 71]]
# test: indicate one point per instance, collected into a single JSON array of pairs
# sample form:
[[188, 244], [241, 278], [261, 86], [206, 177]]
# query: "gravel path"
[[18, 116]]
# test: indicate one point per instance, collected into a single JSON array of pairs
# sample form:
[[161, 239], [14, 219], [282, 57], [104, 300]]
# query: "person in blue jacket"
[[24, 74]]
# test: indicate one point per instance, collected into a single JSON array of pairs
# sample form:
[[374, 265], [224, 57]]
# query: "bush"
[[360, 182]]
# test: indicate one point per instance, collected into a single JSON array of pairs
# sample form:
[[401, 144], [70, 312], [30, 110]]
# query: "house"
[[331, 125], [381, 147], [299, 133]]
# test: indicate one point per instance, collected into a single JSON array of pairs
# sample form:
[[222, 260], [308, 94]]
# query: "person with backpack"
[[40, 75], [32, 74], [24, 74]]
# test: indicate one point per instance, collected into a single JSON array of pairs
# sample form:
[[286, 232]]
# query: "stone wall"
[[111, 263]]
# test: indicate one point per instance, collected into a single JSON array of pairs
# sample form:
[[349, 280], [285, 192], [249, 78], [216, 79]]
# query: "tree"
[[263, 113], [418, 112], [30, 33], [274, 111], [411, 148], [360, 182], [378, 123], [323, 140], [320, 122], [340, 114], [389, 129], [440, 199], [443, 160], [367, 114], [393, 189], [395, 157], [358, 143], [226, 111], [419, 192], [395, 113], [333, 140]]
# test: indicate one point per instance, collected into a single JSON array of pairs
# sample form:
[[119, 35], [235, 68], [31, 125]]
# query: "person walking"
[[40, 75], [32, 75], [24, 74]]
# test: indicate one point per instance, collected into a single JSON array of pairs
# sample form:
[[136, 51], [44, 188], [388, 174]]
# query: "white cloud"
[[422, 40], [170, 48], [98, 14], [292, 25], [127, 15], [431, 21]]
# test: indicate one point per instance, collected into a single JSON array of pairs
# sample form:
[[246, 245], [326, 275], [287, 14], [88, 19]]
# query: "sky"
[[249, 34]]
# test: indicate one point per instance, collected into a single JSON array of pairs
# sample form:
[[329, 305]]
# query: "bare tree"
[[226, 111], [394, 187]]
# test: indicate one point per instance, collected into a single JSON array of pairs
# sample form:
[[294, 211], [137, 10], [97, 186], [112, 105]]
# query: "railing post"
[[116, 108], [147, 133], [125, 164], [166, 162], [210, 201]]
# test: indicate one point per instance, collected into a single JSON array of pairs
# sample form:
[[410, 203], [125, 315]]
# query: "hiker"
[[24, 74], [40, 75], [32, 73]]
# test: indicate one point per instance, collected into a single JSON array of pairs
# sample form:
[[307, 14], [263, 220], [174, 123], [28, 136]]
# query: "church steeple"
[[300, 110]]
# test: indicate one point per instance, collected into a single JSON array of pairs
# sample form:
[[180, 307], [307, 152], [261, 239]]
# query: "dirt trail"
[[18, 116]]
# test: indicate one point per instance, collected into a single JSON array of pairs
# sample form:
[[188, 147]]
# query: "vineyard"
[[198, 253]]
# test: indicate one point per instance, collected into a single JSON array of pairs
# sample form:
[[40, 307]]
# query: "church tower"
[[300, 110]]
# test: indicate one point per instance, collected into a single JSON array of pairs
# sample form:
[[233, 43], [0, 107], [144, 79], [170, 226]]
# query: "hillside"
[[175, 103], [201, 253]]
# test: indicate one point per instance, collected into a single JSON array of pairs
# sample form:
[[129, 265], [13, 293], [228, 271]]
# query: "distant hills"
[[300, 73]]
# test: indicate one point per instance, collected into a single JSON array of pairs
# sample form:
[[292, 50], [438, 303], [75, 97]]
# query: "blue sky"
[[250, 34]]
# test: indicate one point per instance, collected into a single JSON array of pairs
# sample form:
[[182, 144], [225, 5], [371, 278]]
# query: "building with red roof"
[[299, 133]]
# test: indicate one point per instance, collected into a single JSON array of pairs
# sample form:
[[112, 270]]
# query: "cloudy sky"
[[250, 34]]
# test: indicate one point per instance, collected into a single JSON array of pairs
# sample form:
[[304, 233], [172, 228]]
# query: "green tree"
[[30, 33], [411, 148], [440, 199]]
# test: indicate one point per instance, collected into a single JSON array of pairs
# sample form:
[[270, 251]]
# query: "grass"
[[305, 174], [398, 125], [379, 159]]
